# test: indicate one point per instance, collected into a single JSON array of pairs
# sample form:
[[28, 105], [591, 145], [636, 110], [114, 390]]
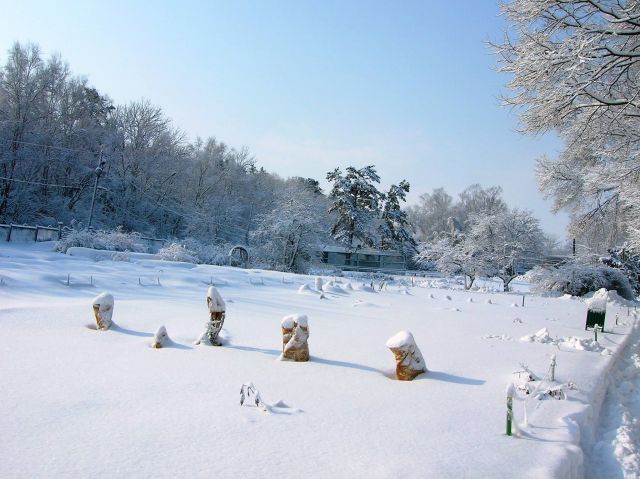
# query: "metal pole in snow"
[[523, 300], [510, 392], [98, 172]]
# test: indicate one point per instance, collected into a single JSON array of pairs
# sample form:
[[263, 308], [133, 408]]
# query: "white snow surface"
[[82, 403]]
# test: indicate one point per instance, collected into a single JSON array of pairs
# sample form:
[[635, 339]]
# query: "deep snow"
[[84, 403]]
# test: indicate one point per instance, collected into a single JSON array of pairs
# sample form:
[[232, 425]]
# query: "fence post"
[[35, 237], [59, 230], [9, 234], [510, 393]]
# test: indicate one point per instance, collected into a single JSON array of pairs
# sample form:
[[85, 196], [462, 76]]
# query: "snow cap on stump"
[[103, 310], [409, 360], [214, 301], [161, 338]]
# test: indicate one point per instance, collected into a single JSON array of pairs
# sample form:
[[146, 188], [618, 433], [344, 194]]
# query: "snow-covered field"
[[78, 402]]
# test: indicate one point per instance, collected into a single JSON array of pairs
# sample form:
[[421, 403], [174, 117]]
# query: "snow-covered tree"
[[574, 69], [453, 255], [430, 216], [288, 236], [489, 247], [356, 204], [501, 238], [477, 201], [436, 213], [395, 230]]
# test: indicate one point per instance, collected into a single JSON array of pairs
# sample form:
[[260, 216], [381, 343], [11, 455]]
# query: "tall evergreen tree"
[[356, 202], [395, 228]]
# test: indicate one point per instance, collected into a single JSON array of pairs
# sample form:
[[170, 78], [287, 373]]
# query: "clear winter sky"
[[408, 86]]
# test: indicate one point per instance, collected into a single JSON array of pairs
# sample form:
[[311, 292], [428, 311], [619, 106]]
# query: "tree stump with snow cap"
[[217, 310], [103, 310], [161, 338], [409, 360], [295, 333]]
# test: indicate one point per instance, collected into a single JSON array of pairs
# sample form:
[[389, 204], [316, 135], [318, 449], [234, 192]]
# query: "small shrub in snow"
[[193, 251], [249, 391], [177, 252], [409, 360], [116, 240], [103, 310], [577, 279]]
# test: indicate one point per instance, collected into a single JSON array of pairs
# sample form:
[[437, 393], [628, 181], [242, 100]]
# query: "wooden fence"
[[28, 233], [24, 233]]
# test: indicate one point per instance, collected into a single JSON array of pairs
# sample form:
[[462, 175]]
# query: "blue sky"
[[410, 87]]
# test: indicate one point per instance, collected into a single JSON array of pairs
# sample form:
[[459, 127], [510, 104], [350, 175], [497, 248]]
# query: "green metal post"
[[510, 392]]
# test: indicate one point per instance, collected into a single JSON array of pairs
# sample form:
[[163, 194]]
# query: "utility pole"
[[99, 170]]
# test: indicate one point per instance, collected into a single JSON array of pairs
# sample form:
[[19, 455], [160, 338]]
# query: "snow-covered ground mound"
[[80, 402]]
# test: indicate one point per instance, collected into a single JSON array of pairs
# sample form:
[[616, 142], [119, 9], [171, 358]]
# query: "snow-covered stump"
[[217, 310], [295, 333], [103, 310], [597, 310], [161, 338], [319, 284], [409, 360]]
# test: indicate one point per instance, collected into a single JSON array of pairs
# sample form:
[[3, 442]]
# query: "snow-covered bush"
[[177, 252], [216, 254], [627, 262], [117, 240], [576, 278], [193, 251]]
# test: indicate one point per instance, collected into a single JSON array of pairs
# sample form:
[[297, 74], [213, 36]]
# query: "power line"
[[53, 185], [53, 146]]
